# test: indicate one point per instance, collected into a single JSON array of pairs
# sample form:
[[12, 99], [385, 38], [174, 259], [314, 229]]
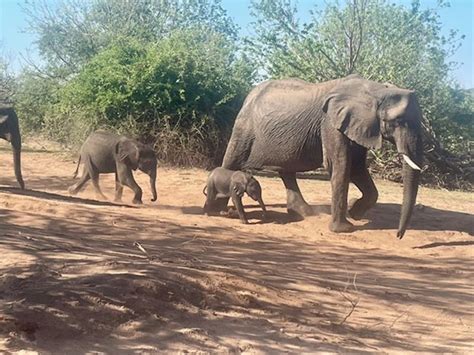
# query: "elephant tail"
[[204, 190], [77, 167]]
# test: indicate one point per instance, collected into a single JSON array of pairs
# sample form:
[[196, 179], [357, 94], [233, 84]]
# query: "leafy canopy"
[[187, 75], [71, 32], [377, 39]]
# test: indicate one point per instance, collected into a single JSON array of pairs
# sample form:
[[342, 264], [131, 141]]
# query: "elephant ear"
[[355, 115], [128, 153]]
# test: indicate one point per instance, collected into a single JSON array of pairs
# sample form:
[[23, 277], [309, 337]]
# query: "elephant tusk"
[[410, 162]]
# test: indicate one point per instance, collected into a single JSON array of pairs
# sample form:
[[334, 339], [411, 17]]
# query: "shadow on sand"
[[87, 282], [57, 197]]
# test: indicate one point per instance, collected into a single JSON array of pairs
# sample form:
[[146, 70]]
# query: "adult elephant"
[[291, 126], [10, 131]]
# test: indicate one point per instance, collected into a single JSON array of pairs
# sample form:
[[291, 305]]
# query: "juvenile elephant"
[[223, 184], [291, 125], [106, 152], [10, 131]]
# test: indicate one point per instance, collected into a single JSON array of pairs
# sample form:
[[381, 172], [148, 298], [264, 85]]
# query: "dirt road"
[[72, 280]]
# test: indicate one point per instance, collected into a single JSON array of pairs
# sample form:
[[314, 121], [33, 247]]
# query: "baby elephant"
[[106, 152], [223, 183]]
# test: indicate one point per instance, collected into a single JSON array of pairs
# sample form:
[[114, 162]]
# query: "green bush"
[[181, 93], [34, 97]]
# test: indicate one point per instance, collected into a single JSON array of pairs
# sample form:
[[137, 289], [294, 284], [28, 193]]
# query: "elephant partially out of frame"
[[10, 131], [291, 126]]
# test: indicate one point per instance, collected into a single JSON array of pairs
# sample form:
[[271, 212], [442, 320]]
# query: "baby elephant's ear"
[[128, 153]]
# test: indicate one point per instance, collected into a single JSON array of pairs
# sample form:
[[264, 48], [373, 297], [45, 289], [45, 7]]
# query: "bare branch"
[[354, 301]]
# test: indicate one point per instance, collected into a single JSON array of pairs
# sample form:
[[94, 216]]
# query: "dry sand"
[[73, 281]]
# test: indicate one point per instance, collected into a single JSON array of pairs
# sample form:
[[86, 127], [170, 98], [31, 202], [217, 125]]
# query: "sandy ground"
[[72, 280]]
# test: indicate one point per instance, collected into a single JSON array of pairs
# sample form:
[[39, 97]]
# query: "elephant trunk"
[[262, 206], [153, 185], [411, 177], [16, 146]]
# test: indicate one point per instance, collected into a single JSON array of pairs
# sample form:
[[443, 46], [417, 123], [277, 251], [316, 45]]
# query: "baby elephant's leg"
[[118, 189], [94, 175], [237, 200], [74, 189], [126, 178]]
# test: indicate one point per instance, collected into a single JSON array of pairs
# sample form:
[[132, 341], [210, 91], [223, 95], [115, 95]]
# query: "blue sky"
[[15, 42]]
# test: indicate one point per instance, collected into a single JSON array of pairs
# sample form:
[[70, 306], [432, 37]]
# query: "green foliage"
[[190, 83], [34, 98], [7, 83], [72, 32], [188, 74]]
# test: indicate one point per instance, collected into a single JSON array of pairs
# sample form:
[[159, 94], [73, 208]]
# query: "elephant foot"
[[137, 202], [341, 227], [300, 210], [357, 209], [230, 213]]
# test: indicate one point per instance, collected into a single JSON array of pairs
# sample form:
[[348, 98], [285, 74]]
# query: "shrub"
[[181, 94]]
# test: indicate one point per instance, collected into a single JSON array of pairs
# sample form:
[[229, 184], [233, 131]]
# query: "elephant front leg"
[[339, 158], [125, 177], [237, 200], [296, 205], [118, 189], [340, 187]]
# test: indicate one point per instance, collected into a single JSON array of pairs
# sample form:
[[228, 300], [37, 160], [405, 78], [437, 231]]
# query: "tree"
[[379, 40], [7, 83], [71, 32], [185, 76]]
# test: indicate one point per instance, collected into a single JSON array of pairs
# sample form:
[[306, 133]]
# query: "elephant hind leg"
[[94, 176], [98, 191], [361, 178], [296, 205], [74, 189], [216, 206]]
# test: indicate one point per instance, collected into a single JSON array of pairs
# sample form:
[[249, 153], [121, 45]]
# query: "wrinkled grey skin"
[[10, 131], [223, 184], [106, 152], [291, 125]]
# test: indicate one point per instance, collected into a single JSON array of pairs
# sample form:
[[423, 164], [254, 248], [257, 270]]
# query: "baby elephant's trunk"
[[262, 206]]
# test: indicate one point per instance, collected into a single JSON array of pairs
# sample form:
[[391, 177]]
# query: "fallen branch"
[[142, 249], [353, 301]]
